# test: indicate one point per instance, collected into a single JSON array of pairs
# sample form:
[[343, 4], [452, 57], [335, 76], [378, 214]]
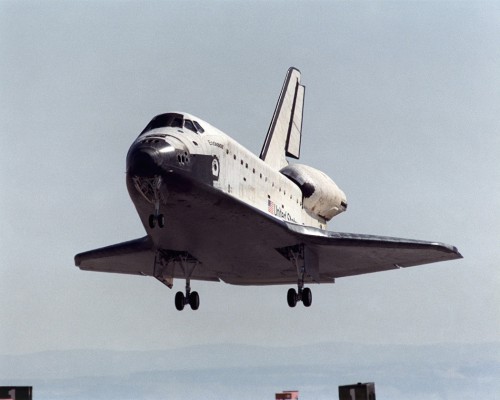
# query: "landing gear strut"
[[156, 217]]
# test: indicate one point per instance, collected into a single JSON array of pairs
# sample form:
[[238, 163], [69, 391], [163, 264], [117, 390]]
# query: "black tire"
[[152, 221], [179, 301], [194, 300], [161, 221], [307, 297], [291, 297]]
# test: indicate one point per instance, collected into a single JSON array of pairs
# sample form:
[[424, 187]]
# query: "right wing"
[[138, 257], [133, 257]]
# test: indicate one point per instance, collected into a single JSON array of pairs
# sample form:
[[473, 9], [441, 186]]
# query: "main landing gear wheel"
[[307, 297], [292, 297], [304, 295], [193, 299], [179, 301]]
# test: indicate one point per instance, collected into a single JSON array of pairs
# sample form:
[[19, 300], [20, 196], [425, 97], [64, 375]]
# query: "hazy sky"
[[402, 110]]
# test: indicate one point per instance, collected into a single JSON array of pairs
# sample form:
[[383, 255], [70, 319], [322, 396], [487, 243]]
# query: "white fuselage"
[[240, 173]]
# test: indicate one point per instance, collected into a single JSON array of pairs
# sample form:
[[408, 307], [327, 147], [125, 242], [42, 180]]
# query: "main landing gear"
[[188, 264], [165, 263], [296, 255]]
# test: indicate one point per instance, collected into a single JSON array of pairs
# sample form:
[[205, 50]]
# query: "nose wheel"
[[156, 220]]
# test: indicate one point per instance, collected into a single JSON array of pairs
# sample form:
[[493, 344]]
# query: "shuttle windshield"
[[173, 120]]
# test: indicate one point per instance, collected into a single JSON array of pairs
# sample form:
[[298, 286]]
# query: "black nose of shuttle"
[[148, 159], [144, 161]]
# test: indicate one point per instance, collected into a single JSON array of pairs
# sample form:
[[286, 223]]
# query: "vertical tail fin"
[[285, 130]]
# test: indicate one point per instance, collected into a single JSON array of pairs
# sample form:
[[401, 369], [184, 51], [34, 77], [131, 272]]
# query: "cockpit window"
[[176, 122], [173, 120], [164, 120], [189, 125], [199, 129]]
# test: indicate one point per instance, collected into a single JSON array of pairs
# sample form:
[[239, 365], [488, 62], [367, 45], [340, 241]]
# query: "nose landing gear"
[[156, 219], [149, 188]]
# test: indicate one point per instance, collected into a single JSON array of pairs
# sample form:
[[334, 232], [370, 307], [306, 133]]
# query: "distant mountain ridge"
[[228, 370]]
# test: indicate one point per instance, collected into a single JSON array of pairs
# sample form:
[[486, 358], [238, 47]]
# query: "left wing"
[[346, 254]]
